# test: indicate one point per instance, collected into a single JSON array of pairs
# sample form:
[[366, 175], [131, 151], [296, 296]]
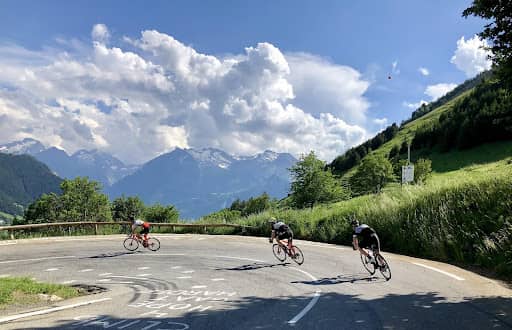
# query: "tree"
[[312, 184], [498, 31], [422, 170], [81, 200], [123, 207], [372, 175], [160, 213]]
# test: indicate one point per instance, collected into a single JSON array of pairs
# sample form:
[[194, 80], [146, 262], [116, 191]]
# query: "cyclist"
[[281, 231], [367, 237], [144, 231]]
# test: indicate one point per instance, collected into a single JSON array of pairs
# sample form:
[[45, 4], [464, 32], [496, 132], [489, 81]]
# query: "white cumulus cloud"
[[471, 57], [424, 71], [438, 90], [162, 94]]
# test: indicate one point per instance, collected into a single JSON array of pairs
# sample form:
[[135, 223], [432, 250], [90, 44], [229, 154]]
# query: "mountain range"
[[196, 181]]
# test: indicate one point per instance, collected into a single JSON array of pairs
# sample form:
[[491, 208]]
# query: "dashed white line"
[[183, 277], [439, 271], [50, 310], [188, 271], [312, 303], [217, 279], [143, 275], [35, 259], [237, 258], [142, 268], [105, 274], [198, 287], [175, 267], [8, 243], [86, 270], [51, 269], [105, 280]]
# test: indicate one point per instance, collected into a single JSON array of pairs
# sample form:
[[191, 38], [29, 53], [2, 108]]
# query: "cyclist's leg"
[[290, 243]]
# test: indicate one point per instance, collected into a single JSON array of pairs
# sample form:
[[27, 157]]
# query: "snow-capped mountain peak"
[[211, 157], [26, 146]]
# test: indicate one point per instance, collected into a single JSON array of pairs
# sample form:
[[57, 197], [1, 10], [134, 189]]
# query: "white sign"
[[407, 173]]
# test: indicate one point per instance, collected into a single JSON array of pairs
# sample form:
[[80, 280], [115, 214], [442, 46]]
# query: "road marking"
[[143, 275], [183, 277], [105, 274], [4, 275], [439, 271], [312, 303], [69, 282], [50, 310], [142, 268], [125, 282], [217, 279], [86, 270], [51, 269], [35, 259], [188, 271], [105, 280], [175, 267], [198, 287], [130, 277], [237, 258], [8, 243]]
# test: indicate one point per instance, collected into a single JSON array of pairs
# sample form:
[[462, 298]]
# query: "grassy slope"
[[25, 291]]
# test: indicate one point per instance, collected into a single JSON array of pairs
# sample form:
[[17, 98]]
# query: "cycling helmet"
[[272, 220], [354, 222]]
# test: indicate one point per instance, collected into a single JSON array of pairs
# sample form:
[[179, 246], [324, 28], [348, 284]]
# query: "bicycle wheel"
[[279, 252], [367, 265], [299, 256], [131, 244], [384, 267], [153, 244]]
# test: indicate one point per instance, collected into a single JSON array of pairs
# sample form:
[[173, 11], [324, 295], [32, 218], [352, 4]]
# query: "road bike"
[[133, 241], [379, 263], [280, 252]]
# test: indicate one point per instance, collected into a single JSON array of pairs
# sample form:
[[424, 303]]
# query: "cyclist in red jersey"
[[144, 231]]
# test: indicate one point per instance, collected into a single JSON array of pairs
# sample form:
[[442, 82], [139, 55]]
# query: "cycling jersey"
[[367, 235], [140, 223], [280, 227]]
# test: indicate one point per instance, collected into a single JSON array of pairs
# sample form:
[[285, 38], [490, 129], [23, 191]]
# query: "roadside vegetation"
[[22, 291]]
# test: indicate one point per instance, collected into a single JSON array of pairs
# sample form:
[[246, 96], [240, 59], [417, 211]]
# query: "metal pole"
[[409, 153]]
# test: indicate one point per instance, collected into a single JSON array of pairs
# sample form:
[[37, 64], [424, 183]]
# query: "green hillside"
[[22, 180]]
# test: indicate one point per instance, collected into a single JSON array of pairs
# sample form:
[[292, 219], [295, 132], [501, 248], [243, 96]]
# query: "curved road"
[[233, 282]]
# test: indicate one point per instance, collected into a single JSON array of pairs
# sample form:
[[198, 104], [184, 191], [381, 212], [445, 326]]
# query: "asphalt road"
[[232, 282]]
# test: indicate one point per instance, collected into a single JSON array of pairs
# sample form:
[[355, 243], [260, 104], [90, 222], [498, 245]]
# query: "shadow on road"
[[356, 278], [256, 265], [333, 311], [112, 255]]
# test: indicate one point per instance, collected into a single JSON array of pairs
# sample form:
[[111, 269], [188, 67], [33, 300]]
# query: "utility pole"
[[408, 152]]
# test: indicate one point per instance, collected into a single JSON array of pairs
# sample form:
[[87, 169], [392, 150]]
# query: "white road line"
[[105, 274], [142, 268], [125, 282], [35, 259], [312, 303], [129, 277], [217, 279], [237, 258], [105, 280], [198, 287], [188, 271], [183, 277], [8, 243], [50, 310], [439, 271], [175, 267], [69, 282], [4, 275], [86, 270], [143, 275], [51, 269]]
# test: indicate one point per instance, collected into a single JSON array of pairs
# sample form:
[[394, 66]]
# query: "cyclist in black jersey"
[[363, 237], [280, 231]]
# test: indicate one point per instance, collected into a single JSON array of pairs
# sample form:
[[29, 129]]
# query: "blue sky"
[[324, 36]]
